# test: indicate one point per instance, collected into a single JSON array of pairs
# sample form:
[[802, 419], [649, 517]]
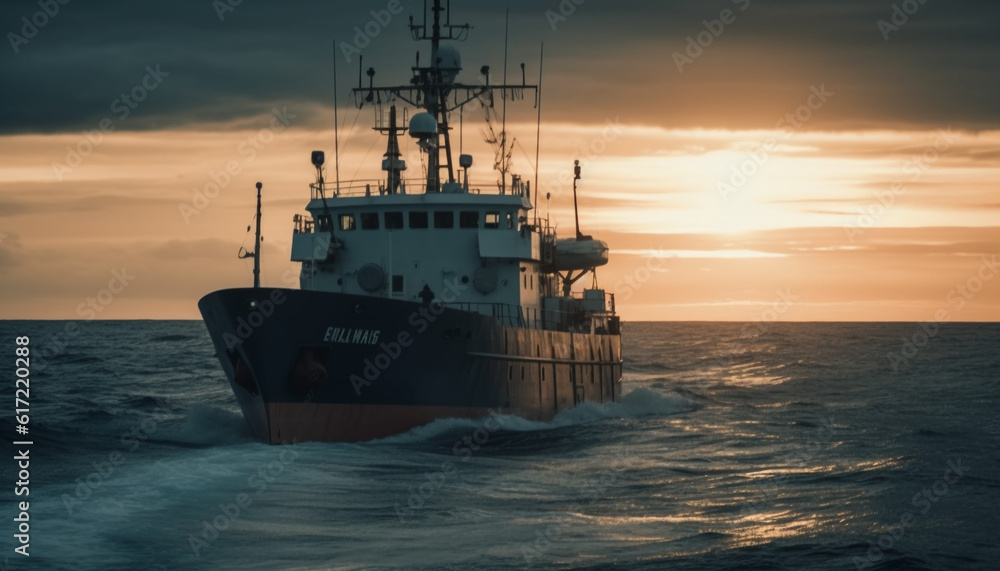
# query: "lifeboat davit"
[[574, 254]]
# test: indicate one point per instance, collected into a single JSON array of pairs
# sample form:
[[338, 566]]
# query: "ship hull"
[[308, 365]]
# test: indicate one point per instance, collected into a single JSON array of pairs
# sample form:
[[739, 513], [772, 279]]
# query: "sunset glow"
[[868, 210]]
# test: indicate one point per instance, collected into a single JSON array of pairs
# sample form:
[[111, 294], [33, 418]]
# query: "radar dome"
[[423, 126], [449, 62]]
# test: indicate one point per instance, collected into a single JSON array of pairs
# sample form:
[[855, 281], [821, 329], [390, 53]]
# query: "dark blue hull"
[[308, 365]]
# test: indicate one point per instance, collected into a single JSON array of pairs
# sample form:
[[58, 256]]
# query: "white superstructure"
[[438, 239]]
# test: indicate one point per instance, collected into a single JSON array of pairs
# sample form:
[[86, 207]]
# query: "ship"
[[420, 298]]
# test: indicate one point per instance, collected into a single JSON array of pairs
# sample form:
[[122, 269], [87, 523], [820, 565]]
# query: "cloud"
[[51, 204], [652, 189], [169, 274], [603, 56], [897, 274]]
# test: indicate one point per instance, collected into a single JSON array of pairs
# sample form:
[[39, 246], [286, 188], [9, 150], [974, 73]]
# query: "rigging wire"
[[527, 157], [365, 158], [347, 142]]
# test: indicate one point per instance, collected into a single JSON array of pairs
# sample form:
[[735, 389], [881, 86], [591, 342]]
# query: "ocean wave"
[[645, 365], [928, 432], [146, 402], [640, 402], [205, 426], [76, 358], [163, 338], [646, 402]]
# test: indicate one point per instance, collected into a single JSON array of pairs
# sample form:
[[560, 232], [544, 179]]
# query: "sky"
[[746, 160]]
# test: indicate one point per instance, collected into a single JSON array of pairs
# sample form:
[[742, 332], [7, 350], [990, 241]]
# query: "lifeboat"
[[582, 254]]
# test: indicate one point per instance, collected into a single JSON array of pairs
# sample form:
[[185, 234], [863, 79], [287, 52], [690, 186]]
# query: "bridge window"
[[492, 219], [418, 220], [369, 220], [468, 219], [510, 220], [323, 223], [347, 222], [393, 220], [444, 219]]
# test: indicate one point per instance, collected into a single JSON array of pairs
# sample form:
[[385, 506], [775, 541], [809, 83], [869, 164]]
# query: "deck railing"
[[511, 315], [377, 187]]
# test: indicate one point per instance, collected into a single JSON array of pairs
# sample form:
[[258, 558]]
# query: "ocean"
[[830, 446]]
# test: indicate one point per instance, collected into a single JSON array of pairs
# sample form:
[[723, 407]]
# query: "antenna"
[[503, 126], [336, 122], [432, 87], [256, 246], [576, 210], [538, 126]]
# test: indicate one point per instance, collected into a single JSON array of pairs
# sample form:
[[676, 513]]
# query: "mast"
[[336, 126], [503, 121], [392, 162], [256, 246], [434, 155], [576, 210], [538, 125], [430, 89]]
